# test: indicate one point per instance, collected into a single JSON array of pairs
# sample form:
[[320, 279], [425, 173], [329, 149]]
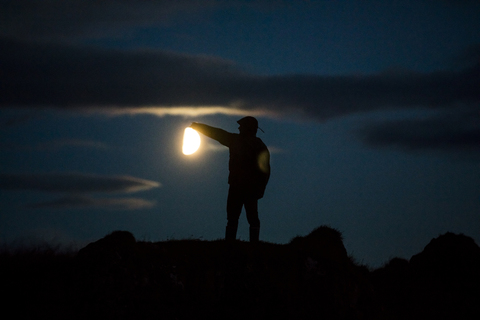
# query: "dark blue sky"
[[370, 110]]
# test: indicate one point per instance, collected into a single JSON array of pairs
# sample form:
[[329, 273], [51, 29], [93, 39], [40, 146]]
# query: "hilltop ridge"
[[310, 277]]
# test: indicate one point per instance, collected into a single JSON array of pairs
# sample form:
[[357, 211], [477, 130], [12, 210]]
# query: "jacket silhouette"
[[249, 172]]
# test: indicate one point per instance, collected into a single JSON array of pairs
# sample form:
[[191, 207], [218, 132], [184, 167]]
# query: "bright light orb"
[[191, 141]]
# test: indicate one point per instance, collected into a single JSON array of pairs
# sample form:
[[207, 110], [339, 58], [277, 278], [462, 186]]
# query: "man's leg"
[[251, 208], [234, 208]]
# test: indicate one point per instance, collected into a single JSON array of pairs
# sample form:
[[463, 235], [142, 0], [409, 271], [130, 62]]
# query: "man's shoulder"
[[252, 142], [261, 143]]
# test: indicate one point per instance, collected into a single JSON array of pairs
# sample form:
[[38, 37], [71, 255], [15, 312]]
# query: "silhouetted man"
[[249, 167]]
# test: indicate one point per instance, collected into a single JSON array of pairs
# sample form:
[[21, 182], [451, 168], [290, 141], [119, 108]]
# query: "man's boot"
[[254, 234], [231, 232]]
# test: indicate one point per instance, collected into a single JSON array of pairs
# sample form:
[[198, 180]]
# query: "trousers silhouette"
[[237, 198]]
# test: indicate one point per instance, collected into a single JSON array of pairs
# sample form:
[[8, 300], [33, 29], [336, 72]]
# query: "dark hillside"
[[310, 278]]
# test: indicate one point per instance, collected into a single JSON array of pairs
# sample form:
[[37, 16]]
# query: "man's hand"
[[194, 125]]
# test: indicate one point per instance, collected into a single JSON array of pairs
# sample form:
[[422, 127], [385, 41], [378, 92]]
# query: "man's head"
[[248, 125]]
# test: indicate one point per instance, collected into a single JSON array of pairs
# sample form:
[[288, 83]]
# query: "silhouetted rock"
[[449, 256], [446, 278], [323, 241], [441, 282], [115, 246], [391, 283], [330, 283]]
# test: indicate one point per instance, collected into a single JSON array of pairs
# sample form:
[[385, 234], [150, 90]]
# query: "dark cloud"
[[15, 120], [47, 75], [61, 143], [104, 203], [62, 76], [53, 145], [67, 20], [75, 183], [447, 132]]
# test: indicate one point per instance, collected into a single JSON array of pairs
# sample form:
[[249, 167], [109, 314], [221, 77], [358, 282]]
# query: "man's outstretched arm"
[[218, 134]]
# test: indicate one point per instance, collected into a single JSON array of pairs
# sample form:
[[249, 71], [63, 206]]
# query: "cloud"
[[15, 120], [75, 183], [68, 21], [60, 143], [185, 111], [459, 132], [60, 76], [54, 145], [62, 20], [76, 201], [148, 81], [77, 189]]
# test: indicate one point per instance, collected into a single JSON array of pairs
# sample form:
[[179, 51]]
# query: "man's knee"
[[232, 223], [254, 223]]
